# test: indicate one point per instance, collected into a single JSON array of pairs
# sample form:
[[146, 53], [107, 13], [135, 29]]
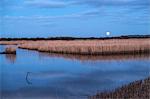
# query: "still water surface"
[[34, 75]]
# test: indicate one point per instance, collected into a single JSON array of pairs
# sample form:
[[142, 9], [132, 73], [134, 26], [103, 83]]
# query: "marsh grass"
[[9, 50], [136, 90], [90, 47], [15, 42]]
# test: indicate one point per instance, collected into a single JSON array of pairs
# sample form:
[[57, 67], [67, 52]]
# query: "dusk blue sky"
[[80, 18]]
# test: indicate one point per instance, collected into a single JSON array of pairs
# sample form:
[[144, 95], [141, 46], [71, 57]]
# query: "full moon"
[[107, 33]]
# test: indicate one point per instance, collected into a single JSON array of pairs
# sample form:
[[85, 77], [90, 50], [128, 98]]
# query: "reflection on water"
[[97, 57], [53, 76], [11, 57], [27, 78]]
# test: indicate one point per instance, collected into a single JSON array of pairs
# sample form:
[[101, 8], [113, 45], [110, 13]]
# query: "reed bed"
[[136, 90], [90, 47]]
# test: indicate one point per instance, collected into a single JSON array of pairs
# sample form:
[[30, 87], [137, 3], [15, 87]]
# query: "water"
[[33, 75]]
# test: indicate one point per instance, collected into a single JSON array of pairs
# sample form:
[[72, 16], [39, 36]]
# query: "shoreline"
[[78, 38], [139, 89]]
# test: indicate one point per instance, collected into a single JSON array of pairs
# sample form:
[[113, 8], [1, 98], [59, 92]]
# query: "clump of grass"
[[136, 90], [91, 47], [9, 50]]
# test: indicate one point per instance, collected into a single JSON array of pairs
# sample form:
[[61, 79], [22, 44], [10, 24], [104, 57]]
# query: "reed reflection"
[[11, 57], [27, 78], [84, 58]]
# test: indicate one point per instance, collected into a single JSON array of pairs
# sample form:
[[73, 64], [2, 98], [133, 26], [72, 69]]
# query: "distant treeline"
[[77, 38]]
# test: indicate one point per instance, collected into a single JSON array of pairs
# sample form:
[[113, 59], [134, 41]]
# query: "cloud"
[[98, 3], [91, 13], [46, 3], [75, 15]]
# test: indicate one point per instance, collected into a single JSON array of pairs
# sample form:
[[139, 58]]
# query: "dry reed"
[[9, 50], [136, 90], [91, 47], [13, 42]]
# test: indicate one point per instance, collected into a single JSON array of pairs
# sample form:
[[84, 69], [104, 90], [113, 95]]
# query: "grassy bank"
[[136, 90], [91, 47]]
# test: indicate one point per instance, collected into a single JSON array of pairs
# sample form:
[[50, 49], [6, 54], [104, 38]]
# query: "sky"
[[78, 18]]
